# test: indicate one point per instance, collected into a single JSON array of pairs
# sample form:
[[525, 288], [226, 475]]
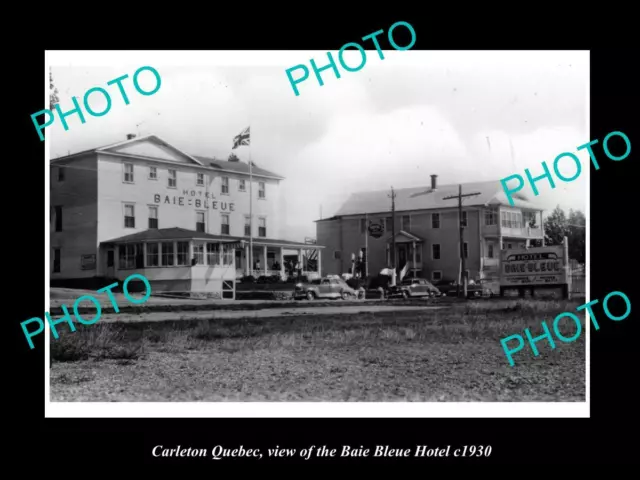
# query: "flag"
[[242, 139]]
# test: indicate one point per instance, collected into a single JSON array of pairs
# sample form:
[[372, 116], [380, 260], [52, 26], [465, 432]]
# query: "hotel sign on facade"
[[196, 199], [534, 266]]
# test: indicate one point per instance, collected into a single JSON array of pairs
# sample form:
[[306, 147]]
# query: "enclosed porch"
[[175, 260], [268, 257]]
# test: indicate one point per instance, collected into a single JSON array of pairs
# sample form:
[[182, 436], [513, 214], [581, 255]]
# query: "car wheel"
[[311, 295], [346, 295]]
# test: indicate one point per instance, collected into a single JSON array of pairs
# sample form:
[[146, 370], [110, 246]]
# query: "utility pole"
[[393, 228], [366, 246], [463, 269]]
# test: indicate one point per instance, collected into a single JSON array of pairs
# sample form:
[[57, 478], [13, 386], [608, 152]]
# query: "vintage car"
[[414, 287], [449, 288], [325, 288]]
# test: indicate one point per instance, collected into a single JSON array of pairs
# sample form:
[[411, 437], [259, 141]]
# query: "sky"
[[464, 116]]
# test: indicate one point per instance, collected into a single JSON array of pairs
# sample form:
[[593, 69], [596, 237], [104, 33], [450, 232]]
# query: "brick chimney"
[[433, 181], [131, 136]]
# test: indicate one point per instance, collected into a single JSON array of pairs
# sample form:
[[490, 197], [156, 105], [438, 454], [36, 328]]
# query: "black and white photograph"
[[256, 245]]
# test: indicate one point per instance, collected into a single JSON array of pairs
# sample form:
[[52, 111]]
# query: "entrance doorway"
[[402, 256], [110, 271]]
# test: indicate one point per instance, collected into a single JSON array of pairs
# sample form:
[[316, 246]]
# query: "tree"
[[577, 234], [53, 92], [558, 225], [555, 227]]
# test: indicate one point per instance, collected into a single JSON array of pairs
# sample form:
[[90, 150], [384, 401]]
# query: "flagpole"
[[251, 211]]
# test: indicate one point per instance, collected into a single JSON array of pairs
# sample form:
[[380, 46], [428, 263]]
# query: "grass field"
[[452, 354]]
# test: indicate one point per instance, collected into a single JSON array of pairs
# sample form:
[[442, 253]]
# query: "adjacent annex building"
[[427, 231], [144, 206]]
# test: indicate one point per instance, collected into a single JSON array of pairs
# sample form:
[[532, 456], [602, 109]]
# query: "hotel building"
[[143, 206], [427, 235]]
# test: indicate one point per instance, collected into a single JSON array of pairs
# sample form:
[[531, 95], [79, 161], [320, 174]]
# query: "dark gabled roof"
[[239, 167], [176, 233], [160, 234], [424, 198]]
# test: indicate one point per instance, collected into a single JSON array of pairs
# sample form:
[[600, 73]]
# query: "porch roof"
[[403, 237], [176, 233]]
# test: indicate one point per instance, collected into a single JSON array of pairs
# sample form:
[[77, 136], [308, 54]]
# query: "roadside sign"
[[376, 230]]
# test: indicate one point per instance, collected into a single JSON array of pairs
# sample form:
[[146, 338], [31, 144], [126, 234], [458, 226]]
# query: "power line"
[[463, 267]]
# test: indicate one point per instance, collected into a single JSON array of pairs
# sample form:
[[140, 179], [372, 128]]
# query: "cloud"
[[371, 152], [503, 154]]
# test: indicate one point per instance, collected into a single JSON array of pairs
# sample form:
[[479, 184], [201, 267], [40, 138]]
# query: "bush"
[[99, 342]]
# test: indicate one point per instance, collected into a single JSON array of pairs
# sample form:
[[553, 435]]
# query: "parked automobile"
[[324, 288], [449, 288], [414, 287]]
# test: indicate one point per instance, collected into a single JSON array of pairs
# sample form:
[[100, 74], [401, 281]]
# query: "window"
[[464, 219], [110, 258], [61, 174], [199, 221], [58, 218], [225, 185], [436, 275], [153, 216], [200, 179], [56, 260], [128, 172], [490, 217], [262, 227], [363, 225], [262, 193], [465, 249], [173, 179], [167, 254], [337, 255], [127, 256], [435, 251], [183, 253], [129, 216], [490, 250], [198, 253], [435, 220], [242, 185], [511, 219], [529, 219], [224, 224], [212, 254], [153, 255], [153, 173], [388, 224], [406, 223], [247, 225]]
